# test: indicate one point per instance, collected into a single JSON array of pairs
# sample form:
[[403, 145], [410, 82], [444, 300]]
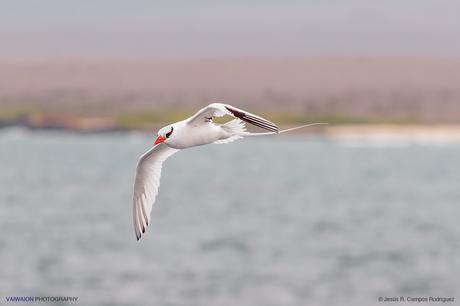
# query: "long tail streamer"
[[282, 131]]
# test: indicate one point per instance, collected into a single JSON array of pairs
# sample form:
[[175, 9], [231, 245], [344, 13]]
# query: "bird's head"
[[164, 134]]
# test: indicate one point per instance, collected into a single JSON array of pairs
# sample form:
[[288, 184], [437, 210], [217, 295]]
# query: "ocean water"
[[286, 220]]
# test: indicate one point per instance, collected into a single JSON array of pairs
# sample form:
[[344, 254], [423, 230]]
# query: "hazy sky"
[[143, 28]]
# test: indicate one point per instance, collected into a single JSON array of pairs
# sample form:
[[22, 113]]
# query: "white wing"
[[219, 109], [146, 185]]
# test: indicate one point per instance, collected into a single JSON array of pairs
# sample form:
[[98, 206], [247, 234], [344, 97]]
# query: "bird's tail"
[[235, 128]]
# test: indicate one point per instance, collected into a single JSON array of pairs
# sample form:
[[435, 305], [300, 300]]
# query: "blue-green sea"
[[285, 220]]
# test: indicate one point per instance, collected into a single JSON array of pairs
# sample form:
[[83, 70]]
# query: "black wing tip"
[[260, 122], [235, 112], [139, 236]]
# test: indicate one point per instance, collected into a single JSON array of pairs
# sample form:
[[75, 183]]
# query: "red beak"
[[160, 139]]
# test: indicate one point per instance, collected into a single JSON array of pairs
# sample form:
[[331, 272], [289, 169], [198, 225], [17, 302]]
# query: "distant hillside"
[[367, 89]]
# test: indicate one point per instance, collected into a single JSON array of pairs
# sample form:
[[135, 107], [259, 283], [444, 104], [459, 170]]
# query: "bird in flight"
[[194, 131]]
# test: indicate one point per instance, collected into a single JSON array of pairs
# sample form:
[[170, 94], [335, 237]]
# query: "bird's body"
[[186, 137], [194, 131]]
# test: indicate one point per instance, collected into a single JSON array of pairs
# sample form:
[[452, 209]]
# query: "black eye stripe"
[[169, 134]]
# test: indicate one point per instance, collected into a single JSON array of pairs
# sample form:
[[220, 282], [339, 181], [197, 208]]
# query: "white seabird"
[[194, 131]]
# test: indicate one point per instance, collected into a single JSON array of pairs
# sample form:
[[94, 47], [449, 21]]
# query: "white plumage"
[[146, 185], [194, 131]]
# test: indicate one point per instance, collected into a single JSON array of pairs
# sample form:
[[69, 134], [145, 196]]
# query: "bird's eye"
[[169, 133]]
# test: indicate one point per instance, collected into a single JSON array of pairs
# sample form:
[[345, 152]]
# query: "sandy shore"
[[361, 132], [448, 133]]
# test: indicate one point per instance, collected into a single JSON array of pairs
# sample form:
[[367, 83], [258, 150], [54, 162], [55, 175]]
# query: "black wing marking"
[[257, 121]]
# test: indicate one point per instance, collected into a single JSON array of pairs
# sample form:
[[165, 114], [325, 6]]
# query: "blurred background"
[[339, 215]]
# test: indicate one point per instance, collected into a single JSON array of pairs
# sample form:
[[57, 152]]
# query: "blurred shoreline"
[[437, 133], [449, 133], [152, 121]]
